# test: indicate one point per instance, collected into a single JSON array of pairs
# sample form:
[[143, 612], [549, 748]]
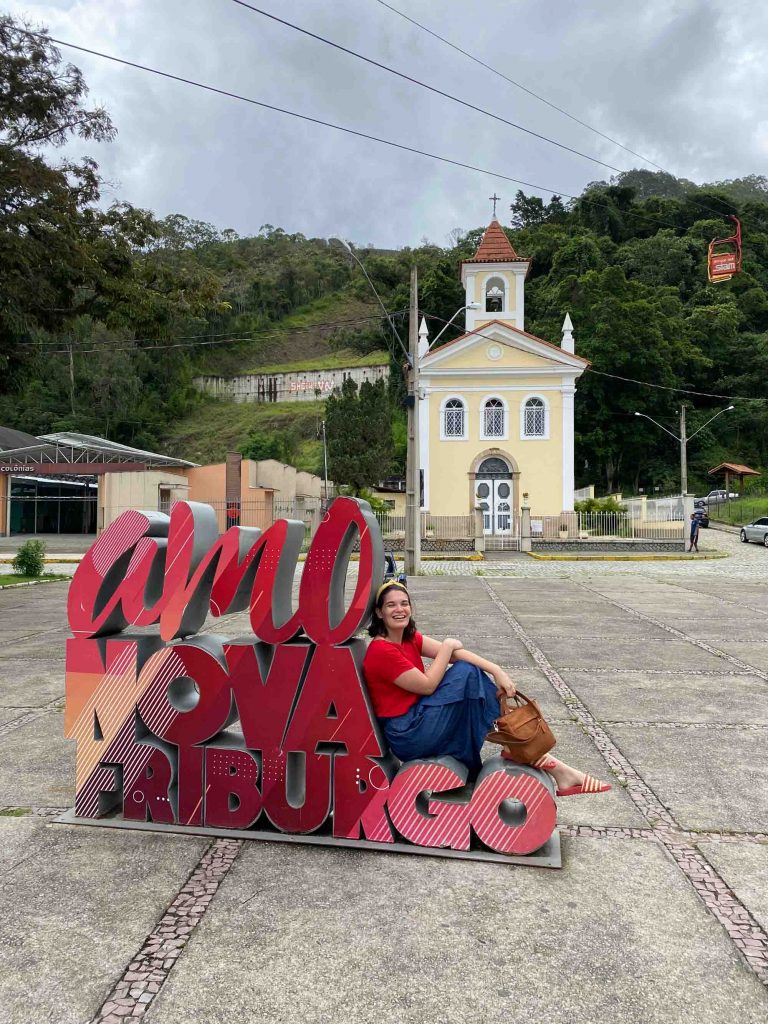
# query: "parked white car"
[[717, 497], [757, 531]]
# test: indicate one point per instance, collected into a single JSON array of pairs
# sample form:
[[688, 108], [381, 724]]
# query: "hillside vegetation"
[[108, 314], [217, 427]]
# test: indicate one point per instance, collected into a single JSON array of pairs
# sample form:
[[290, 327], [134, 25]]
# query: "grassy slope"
[[293, 340], [217, 427], [333, 361]]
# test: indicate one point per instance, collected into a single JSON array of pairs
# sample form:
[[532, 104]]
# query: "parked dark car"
[[701, 513]]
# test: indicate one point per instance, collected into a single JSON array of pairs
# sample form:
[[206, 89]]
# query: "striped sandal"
[[588, 785], [545, 762]]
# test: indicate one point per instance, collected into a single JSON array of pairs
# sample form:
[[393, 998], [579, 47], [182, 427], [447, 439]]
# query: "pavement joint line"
[[31, 636], [721, 901], [701, 644], [718, 597], [134, 992], [641, 793], [30, 716]]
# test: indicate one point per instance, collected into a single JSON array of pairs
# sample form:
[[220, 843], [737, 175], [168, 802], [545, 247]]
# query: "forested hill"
[[107, 314]]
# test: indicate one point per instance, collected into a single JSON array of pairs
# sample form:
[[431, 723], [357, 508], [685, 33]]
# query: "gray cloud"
[[681, 81]]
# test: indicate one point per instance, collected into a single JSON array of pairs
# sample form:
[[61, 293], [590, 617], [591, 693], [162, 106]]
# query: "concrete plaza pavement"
[[654, 676]]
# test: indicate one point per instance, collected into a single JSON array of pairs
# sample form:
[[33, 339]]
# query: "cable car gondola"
[[721, 266]]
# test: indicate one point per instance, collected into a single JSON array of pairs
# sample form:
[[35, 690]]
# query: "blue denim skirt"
[[454, 720]]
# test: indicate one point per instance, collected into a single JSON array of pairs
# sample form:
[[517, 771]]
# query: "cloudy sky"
[[682, 82]]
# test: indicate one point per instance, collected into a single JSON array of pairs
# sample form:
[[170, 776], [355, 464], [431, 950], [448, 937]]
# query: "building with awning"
[[70, 483], [75, 483]]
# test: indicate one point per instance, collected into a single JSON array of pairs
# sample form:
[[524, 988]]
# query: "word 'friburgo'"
[[275, 730]]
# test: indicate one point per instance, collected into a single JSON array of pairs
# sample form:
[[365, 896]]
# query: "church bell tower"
[[494, 279]]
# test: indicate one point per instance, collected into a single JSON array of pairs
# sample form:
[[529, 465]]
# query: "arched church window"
[[534, 418], [453, 418], [493, 418], [494, 295]]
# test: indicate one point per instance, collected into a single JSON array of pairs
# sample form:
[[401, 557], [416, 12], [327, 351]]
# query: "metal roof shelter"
[[730, 469], [70, 453]]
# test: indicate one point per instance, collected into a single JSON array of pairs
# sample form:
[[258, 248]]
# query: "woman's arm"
[[427, 682], [503, 683]]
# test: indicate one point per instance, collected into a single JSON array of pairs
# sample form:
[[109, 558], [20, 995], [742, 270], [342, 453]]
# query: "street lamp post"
[[683, 440], [461, 309]]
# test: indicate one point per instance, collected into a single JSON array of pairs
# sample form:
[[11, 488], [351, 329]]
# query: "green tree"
[[359, 434]]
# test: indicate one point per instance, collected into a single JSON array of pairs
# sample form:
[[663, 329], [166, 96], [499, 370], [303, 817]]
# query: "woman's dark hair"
[[377, 627]]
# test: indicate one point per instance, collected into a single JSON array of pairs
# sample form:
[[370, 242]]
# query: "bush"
[[30, 559], [608, 504]]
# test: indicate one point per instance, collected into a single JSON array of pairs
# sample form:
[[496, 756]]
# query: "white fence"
[[437, 528], [655, 510], [607, 526]]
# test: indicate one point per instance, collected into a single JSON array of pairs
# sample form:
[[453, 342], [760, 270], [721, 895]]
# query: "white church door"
[[493, 494]]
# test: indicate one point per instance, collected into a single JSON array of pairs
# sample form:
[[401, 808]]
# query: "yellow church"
[[496, 416]]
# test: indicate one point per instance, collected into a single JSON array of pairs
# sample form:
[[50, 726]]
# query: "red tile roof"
[[733, 467], [495, 247]]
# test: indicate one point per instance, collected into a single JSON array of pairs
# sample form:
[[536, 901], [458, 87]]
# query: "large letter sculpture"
[[274, 732]]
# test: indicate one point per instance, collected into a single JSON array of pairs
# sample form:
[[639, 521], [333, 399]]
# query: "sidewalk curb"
[[683, 556], [49, 560]]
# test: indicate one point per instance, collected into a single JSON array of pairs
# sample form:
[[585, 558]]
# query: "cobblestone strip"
[[701, 644], [639, 790], [665, 835], [714, 726], [31, 715], [149, 969], [745, 932], [606, 832], [597, 669], [15, 811], [722, 903]]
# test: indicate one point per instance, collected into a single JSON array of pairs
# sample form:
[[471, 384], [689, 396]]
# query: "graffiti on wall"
[[274, 731]]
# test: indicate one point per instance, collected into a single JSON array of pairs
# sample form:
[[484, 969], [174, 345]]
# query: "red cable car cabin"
[[721, 266]]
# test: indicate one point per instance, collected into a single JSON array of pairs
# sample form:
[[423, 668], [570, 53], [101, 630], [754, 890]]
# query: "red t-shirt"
[[382, 665]]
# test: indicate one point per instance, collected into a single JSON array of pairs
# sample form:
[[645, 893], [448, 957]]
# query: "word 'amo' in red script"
[[200, 730]]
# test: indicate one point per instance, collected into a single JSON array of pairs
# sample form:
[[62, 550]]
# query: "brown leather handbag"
[[522, 729]]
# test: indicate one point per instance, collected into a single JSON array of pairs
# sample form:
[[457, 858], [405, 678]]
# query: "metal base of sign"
[[547, 856]]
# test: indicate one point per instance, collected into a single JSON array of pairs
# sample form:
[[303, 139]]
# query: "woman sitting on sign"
[[447, 709]]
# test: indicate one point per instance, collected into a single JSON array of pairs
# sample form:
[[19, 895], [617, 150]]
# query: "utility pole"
[[683, 453], [413, 462], [325, 464]]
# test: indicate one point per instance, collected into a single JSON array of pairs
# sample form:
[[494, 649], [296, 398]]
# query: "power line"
[[241, 335], [424, 85], [518, 85], [542, 99], [340, 128], [682, 391], [197, 341]]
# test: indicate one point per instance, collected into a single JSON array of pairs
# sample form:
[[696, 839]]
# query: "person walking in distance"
[[695, 523]]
